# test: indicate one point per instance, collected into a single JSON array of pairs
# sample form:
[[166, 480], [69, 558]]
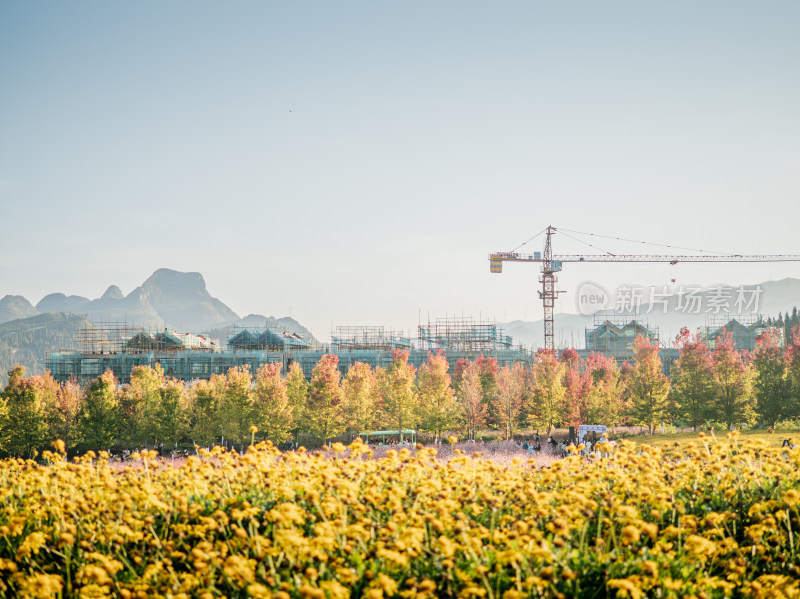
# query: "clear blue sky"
[[354, 162]]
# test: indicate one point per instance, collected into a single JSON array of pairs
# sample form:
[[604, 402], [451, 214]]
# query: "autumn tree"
[[547, 397], [648, 386], [470, 399], [577, 388], [509, 400], [5, 433], [488, 369], [398, 393], [793, 369], [297, 393], [438, 408], [604, 401], [771, 379], [25, 402], [732, 383], [273, 414], [139, 402], [63, 418], [99, 418], [323, 416], [692, 380], [359, 397]]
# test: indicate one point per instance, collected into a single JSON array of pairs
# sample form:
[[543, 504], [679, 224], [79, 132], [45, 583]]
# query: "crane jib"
[[497, 259]]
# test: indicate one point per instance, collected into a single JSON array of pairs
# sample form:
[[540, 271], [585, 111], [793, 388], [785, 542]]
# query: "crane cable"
[[586, 243], [527, 242], [675, 247]]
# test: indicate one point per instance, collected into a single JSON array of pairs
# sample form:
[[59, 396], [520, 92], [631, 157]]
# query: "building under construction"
[[250, 339], [743, 329], [613, 335], [465, 334], [371, 338], [120, 348]]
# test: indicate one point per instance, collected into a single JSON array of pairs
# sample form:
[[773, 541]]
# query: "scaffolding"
[[613, 335], [463, 334], [269, 339], [120, 337], [373, 338]]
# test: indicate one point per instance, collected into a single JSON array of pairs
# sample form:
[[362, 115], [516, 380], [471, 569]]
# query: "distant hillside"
[[26, 341], [58, 302], [13, 307]]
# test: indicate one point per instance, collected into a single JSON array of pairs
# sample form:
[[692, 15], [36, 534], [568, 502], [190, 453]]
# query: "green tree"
[[236, 405], [139, 406], [205, 416], [274, 416], [693, 380], [771, 379], [99, 418], [398, 393], [359, 397], [171, 412], [26, 427], [648, 386], [547, 397], [509, 399], [732, 383], [438, 408]]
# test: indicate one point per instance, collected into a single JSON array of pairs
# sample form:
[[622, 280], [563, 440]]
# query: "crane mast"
[[551, 264], [548, 294]]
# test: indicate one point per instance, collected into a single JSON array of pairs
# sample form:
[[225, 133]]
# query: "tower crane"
[[552, 263]]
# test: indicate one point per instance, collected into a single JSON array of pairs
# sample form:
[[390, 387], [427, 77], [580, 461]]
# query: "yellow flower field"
[[708, 521]]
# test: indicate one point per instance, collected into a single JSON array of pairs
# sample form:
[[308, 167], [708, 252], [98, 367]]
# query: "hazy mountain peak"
[[176, 283], [113, 292], [58, 302], [182, 300], [13, 307]]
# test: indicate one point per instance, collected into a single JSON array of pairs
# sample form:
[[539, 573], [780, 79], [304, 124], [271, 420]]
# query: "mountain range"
[[167, 299]]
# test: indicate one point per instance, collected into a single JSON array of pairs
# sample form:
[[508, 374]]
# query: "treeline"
[[785, 322], [707, 385]]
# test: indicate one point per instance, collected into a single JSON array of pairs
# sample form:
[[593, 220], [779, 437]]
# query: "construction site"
[[187, 356], [120, 348]]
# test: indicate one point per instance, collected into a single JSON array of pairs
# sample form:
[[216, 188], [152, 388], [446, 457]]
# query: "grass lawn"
[[772, 439]]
